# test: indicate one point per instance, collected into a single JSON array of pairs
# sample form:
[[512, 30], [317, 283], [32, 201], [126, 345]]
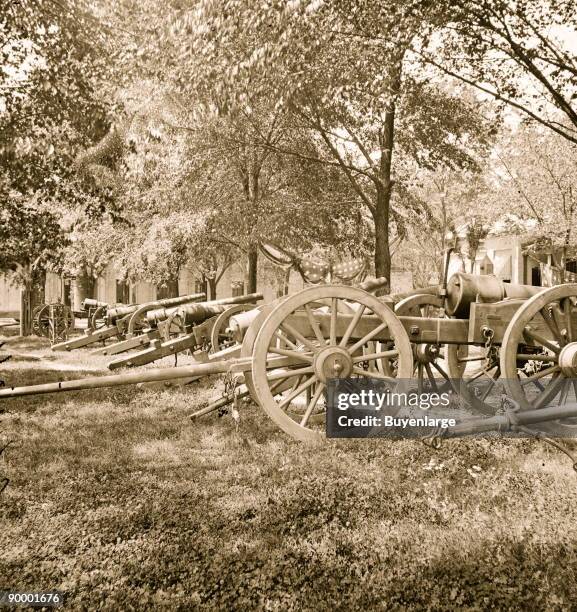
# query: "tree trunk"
[[382, 250], [381, 214], [26, 307], [252, 270], [212, 288], [204, 285]]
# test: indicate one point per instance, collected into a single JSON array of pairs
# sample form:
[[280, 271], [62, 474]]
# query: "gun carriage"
[[118, 320], [197, 325], [283, 354]]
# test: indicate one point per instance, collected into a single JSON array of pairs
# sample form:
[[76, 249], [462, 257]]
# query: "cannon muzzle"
[[88, 303]]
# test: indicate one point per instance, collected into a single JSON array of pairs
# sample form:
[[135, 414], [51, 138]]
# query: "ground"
[[118, 499]]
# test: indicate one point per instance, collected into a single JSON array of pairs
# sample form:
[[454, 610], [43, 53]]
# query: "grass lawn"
[[118, 499]]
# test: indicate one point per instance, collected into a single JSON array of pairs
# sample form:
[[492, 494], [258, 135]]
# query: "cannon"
[[289, 350], [118, 319], [95, 312], [53, 321], [198, 323]]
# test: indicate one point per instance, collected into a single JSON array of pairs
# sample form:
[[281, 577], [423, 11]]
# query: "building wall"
[[270, 283], [9, 297], [53, 288]]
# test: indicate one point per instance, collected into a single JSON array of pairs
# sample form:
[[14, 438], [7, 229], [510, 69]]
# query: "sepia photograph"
[[288, 305]]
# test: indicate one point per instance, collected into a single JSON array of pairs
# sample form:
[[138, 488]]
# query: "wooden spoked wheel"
[[539, 352], [428, 358], [173, 327], [474, 374], [322, 344], [219, 339], [98, 318], [41, 320], [421, 305]]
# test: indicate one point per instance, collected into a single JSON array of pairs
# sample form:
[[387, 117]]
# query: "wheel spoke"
[[285, 339], [420, 379], [551, 323], [480, 373], [377, 330], [540, 374], [564, 392], [492, 383], [431, 377], [315, 325], [289, 373], [441, 371], [468, 359], [567, 307], [374, 356], [289, 329], [315, 398], [354, 322], [333, 324], [559, 318], [541, 340], [278, 385], [550, 391], [302, 387], [366, 374], [535, 382], [295, 354], [524, 357]]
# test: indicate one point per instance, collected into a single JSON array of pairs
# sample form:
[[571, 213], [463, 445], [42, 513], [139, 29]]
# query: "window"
[[122, 292]]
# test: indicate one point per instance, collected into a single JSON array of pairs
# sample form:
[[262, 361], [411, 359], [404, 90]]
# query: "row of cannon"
[[470, 330]]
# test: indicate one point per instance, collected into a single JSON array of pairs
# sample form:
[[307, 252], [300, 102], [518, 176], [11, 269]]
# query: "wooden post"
[[25, 311]]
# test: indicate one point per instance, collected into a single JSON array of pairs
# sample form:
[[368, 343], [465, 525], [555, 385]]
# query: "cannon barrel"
[[464, 289], [121, 311], [92, 303], [508, 422], [196, 313], [429, 290], [115, 380]]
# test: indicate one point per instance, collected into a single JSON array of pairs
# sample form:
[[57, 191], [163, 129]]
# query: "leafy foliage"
[[346, 83], [520, 53], [536, 182], [31, 239], [49, 107]]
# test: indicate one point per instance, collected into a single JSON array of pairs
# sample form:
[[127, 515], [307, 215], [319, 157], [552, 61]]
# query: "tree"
[[48, 107], [327, 63], [456, 202], [31, 241], [536, 171], [519, 53]]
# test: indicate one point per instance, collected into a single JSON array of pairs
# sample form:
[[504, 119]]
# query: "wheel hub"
[[426, 353], [568, 360], [333, 362]]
